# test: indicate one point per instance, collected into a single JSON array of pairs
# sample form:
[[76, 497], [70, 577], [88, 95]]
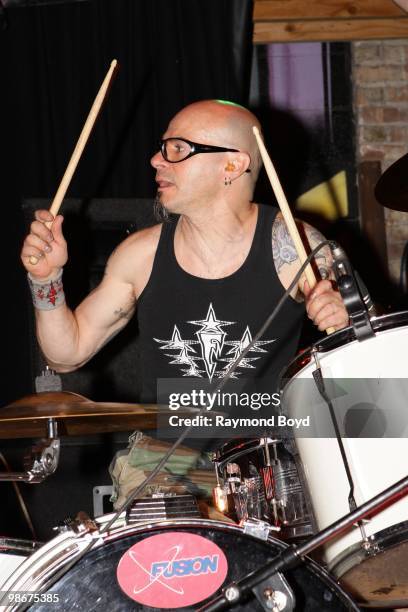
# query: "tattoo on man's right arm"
[[126, 312]]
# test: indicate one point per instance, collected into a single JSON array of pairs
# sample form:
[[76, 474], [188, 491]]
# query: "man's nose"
[[157, 160]]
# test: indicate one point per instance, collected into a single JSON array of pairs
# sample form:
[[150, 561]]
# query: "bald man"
[[202, 284]]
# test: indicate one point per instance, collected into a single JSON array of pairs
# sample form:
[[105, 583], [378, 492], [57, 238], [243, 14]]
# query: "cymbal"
[[76, 415], [391, 189]]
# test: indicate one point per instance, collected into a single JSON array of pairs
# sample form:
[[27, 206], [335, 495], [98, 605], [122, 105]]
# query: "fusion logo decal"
[[172, 570]]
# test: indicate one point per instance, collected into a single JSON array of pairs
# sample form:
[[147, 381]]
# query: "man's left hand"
[[324, 306]]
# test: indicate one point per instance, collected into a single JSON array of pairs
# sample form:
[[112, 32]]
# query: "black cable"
[[318, 378]]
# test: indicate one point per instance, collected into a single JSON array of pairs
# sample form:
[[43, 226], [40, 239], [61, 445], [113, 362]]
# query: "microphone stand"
[[293, 555]]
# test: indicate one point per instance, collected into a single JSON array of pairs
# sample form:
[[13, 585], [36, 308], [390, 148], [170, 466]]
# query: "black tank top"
[[192, 327]]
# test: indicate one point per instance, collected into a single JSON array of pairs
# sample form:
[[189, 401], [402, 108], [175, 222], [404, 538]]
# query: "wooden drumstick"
[[79, 147], [286, 212]]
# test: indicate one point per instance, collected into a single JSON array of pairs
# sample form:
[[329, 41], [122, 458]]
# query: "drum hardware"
[[41, 461], [258, 529], [220, 497], [351, 293], [269, 481], [275, 594], [81, 524], [261, 481], [162, 506], [48, 381], [294, 555]]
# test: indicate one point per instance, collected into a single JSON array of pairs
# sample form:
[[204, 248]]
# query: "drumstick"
[[286, 212], [79, 147]]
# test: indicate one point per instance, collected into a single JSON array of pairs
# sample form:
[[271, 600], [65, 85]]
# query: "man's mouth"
[[162, 184]]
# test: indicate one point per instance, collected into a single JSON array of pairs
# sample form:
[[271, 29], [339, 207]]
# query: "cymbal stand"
[[41, 460]]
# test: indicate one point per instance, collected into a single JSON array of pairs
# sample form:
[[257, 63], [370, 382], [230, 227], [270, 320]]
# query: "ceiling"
[[327, 20]]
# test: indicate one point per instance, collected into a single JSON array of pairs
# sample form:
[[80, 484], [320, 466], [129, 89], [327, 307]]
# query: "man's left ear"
[[239, 164]]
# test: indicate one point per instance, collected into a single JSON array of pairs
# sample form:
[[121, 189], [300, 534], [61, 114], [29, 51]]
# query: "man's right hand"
[[48, 246]]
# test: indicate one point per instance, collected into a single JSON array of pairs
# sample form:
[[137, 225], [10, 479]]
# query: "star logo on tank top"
[[212, 353]]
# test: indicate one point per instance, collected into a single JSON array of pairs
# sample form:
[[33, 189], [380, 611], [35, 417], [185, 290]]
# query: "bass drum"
[[372, 562], [179, 564]]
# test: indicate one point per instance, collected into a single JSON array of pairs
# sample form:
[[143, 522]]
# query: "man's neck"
[[213, 245]]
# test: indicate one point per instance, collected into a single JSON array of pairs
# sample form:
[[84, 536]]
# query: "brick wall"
[[381, 107]]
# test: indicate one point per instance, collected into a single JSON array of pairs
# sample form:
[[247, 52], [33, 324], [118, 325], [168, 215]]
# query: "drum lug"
[[80, 525], [258, 529], [370, 546], [275, 594], [232, 593]]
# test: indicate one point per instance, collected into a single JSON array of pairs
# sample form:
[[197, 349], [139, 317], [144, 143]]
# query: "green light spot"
[[229, 103]]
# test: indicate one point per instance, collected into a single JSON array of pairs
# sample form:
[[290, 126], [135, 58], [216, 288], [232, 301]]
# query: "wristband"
[[49, 294]]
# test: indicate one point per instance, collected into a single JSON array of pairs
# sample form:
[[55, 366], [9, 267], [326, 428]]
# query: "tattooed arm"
[[324, 304], [69, 339]]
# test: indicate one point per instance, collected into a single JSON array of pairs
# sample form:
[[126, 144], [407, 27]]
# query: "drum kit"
[[279, 494], [313, 522]]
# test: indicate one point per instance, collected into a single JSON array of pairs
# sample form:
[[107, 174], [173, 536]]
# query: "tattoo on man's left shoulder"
[[283, 248]]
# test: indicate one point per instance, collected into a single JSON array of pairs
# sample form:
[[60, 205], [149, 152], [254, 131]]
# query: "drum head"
[[378, 578], [92, 583]]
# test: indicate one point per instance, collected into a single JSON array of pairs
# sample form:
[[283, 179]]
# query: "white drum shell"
[[375, 463], [8, 564]]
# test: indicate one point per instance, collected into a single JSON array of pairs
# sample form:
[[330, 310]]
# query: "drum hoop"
[[382, 541], [339, 338]]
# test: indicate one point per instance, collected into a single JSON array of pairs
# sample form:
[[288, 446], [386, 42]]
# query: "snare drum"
[[375, 571], [178, 564], [261, 480]]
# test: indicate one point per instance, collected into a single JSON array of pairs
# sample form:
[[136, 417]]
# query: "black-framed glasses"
[[175, 150]]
